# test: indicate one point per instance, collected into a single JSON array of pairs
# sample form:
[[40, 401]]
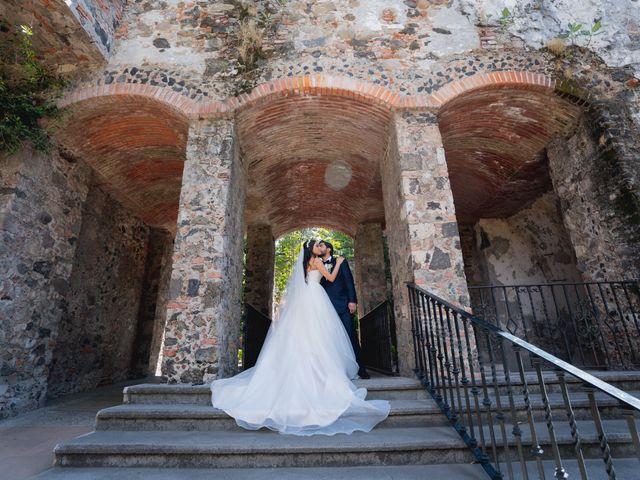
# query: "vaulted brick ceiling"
[[289, 143], [495, 148], [136, 147]]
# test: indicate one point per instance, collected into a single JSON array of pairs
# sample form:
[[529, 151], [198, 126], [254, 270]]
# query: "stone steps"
[[387, 472], [263, 449], [625, 468], [194, 417], [165, 428], [385, 388]]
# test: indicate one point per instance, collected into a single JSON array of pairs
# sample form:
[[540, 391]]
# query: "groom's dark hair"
[[329, 246]]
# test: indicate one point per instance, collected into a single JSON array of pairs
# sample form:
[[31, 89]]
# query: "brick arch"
[[521, 80], [180, 104], [495, 130], [136, 145]]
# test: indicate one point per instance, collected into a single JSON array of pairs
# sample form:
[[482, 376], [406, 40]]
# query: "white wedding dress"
[[301, 383]]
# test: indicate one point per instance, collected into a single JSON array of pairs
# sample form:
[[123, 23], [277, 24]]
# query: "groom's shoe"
[[362, 373]]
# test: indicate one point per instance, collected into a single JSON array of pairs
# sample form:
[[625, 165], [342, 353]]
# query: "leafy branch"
[[26, 92], [575, 31]]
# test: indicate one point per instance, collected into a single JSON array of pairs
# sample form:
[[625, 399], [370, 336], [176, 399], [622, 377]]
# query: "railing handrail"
[[377, 307], [587, 378], [265, 317]]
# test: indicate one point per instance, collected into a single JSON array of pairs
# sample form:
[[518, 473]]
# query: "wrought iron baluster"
[[629, 415], [560, 473], [557, 326], [588, 327], [447, 361], [525, 330], [571, 321], [632, 350], [475, 392], [602, 437], [495, 307], [464, 380], [456, 372], [421, 345], [437, 310], [414, 329], [575, 435], [433, 351], [630, 303], [615, 327], [536, 449], [601, 326], [573, 324], [516, 430], [499, 412], [486, 403], [428, 339]]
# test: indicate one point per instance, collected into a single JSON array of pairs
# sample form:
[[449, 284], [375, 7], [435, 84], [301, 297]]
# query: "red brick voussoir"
[[317, 85]]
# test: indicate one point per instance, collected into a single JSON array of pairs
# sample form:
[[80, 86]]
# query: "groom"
[[342, 293]]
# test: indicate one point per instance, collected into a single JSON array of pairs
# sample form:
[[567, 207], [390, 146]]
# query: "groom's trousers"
[[350, 326]]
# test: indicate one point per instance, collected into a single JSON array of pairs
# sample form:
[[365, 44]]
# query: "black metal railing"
[[472, 367], [594, 324], [378, 339], [256, 326]]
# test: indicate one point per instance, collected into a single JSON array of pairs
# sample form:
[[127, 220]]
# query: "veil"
[[294, 290]]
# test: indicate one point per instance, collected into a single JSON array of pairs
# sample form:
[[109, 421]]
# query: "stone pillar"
[[261, 255], [596, 178], [422, 230], [371, 284], [203, 313]]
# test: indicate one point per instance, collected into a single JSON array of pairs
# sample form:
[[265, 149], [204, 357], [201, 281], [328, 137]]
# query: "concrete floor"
[[27, 440]]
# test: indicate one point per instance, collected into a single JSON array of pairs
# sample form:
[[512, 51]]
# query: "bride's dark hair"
[[308, 255]]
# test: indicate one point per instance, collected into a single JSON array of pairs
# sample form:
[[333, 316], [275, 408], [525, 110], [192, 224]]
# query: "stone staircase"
[[171, 431]]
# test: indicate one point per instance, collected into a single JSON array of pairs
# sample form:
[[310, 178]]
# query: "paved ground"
[[27, 441]]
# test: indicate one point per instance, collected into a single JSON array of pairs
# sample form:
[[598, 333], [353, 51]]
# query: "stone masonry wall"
[[595, 178], [203, 314], [41, 198], [531, 246], [97, 329]]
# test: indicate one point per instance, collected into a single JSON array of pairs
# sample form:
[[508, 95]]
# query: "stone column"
[[422, 230], [203, 312], [371, 284], [261, 254]]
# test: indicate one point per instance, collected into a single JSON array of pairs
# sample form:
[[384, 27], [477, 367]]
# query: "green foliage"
[[287, 248], [505, 17], [576, 30], [26, 88]]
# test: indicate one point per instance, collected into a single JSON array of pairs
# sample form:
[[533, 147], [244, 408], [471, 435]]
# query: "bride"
[[301, 382]]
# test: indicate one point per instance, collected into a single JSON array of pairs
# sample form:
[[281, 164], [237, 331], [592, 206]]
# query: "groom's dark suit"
[[342, 291]]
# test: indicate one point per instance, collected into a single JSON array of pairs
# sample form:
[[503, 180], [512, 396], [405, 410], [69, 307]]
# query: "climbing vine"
[[27, 90]]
